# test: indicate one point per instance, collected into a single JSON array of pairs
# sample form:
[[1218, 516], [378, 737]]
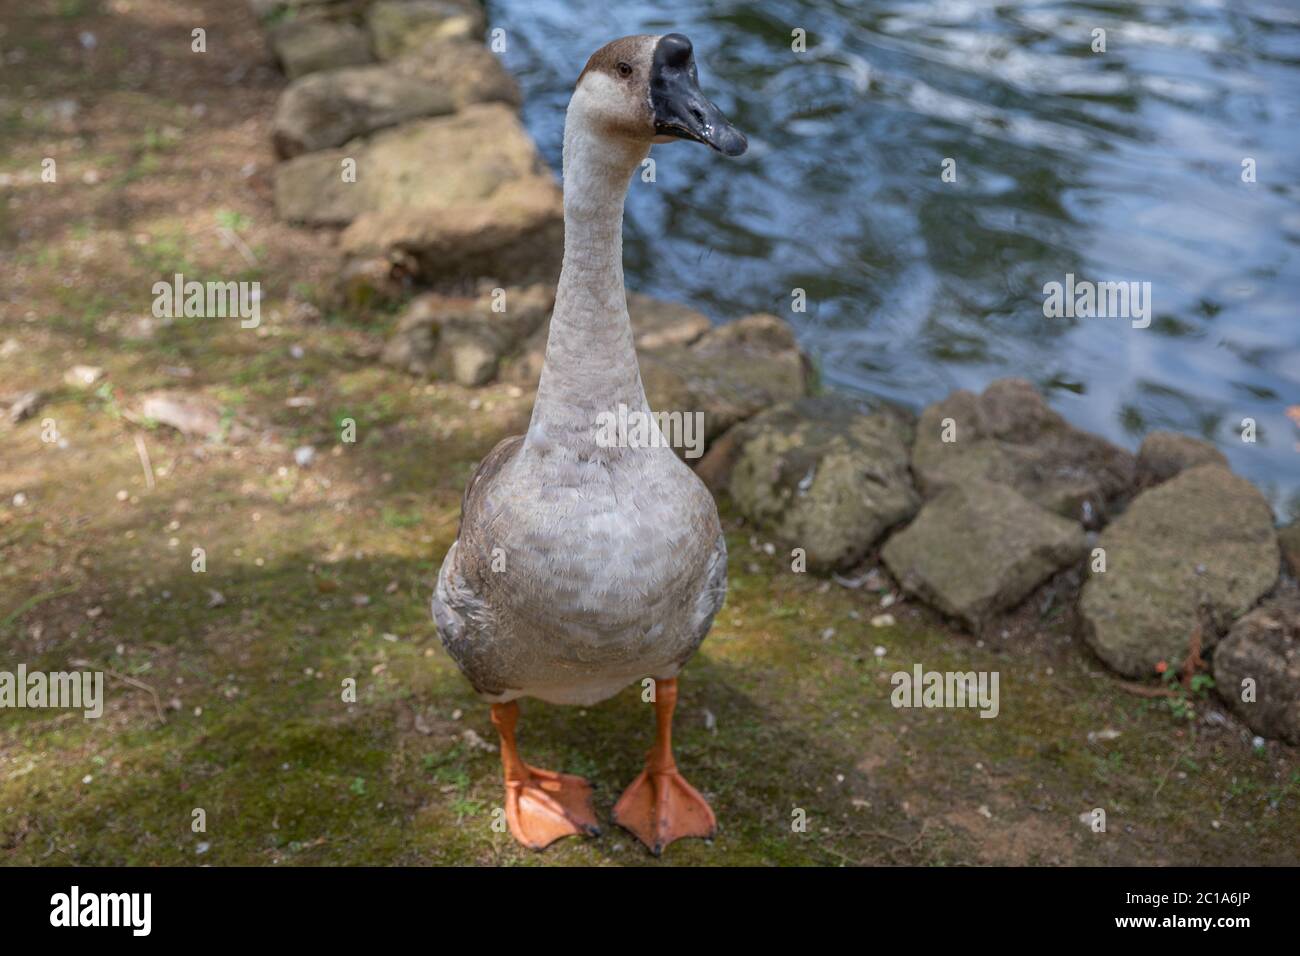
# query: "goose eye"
[[624, 70]]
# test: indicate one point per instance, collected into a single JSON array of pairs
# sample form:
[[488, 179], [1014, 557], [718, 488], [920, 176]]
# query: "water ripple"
[[1122, 165]]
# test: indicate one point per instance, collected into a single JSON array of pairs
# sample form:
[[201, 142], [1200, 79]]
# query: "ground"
[[226, 687]]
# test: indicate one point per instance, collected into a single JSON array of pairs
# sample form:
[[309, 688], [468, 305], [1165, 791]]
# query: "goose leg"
[[541, 805], [660, 806]]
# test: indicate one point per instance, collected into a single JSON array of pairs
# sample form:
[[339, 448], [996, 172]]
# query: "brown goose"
[[581, 567]]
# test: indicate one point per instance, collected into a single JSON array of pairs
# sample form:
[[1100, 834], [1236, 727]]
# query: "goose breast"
[[569, 586]]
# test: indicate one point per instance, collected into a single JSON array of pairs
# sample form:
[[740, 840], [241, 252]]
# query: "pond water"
[[1124, 165]]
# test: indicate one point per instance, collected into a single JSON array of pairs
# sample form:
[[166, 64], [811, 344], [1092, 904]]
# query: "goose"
[[581, 567]]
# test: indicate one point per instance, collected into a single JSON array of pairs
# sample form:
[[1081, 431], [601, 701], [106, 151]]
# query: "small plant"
[[1181, 696], [463, 808], [105, 394]]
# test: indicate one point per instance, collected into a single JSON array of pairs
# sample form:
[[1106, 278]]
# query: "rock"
[[414, 347], [329, 109], [83, 376], [308, 45], [658, 324], [464, 339], [397, 26], [824, 475], [1264, 646], [297, 8], [980, 548], [1289, 541], [375, 283], [431, 165], [517, 233], [1009, 436], [192, 415], [1165, 454], [715, 468], [460, 197], [473, 361], [730, 373], [525, 369], [1202, 541], [23, 405]]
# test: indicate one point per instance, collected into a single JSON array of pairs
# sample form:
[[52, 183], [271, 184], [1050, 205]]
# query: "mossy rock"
[[824, 475], [1008, 435], [1264, 648], [1166, 454], [1289, 540], [979, 549], [1201, 545], [329, 109], [398, 26], [421, 167], [309, 45], [460, 198], [464, 339]]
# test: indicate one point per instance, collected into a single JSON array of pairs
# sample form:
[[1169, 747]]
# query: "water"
[[1123, 165]]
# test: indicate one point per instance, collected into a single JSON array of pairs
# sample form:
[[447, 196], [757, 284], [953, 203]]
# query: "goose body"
[[609, 572], [581, 566]]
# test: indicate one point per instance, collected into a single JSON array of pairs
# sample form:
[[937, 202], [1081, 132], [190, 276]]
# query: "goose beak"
[[681, 110]]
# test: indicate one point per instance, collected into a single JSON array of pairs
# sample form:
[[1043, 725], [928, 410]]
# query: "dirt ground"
[[224, 687]]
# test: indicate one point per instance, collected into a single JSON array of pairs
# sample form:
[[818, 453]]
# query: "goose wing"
[[714, 591], [487, 469], [461, 611]]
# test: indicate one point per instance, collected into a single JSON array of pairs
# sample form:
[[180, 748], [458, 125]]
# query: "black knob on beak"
[[680, 108], [676, 50]]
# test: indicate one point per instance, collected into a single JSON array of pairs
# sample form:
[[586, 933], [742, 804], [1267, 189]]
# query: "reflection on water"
[[1123, 165]]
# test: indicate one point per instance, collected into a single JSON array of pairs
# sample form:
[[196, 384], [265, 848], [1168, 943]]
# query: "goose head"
[[646, 89]]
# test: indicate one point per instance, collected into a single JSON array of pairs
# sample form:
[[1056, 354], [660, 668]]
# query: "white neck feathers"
[[591, 364]]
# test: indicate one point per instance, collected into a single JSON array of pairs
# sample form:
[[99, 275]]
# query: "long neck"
[[591, 365]]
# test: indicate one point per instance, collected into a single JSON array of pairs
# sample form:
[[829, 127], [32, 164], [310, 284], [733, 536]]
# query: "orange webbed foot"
[[545, 806], [660, 807], [541, 805]]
